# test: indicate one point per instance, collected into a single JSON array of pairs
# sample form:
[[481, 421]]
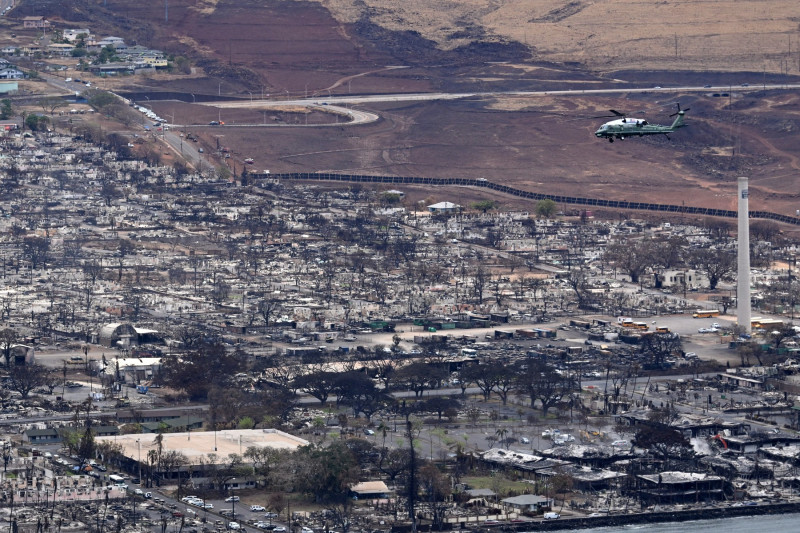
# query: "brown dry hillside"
[[338, 47], [277, 44], [610, 34], [537, 144]]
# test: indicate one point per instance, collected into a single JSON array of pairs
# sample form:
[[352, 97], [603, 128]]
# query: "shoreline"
[[709, 513], [580, 523]]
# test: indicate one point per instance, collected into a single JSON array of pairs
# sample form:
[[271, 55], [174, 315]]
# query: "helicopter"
[[628, 127]]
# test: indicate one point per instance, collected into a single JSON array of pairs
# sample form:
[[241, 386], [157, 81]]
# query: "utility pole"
[[412, 480]]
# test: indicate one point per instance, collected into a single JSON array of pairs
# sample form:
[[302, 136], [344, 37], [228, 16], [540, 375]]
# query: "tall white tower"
[[743, 271]]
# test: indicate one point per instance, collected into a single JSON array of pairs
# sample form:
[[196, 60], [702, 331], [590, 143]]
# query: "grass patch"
[[498, 483]]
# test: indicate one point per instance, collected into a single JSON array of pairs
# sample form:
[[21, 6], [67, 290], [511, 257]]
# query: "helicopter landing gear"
[[611, 139]]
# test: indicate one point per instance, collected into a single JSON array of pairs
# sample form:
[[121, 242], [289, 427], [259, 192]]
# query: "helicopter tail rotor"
[[679, 111]]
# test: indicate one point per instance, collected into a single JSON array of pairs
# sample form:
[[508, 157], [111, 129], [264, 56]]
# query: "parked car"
[[234, 525], [551, 515], [232, 499], [257, 508]]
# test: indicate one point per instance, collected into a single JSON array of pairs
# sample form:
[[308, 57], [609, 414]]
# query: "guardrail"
[[505, 189]]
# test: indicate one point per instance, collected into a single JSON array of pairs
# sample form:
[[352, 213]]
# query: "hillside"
[[728, 35], [268, 42], [243, 48]]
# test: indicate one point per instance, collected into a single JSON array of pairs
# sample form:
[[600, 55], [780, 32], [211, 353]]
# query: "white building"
[[444, 207], [692, 279]]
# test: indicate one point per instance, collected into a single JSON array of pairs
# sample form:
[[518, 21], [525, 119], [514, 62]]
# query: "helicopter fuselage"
[[632, 127]]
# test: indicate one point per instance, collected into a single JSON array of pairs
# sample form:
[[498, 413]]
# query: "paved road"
[[413, 97]]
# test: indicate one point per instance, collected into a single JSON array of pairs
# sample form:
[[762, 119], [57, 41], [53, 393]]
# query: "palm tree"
[[383, 428], [502, 436]]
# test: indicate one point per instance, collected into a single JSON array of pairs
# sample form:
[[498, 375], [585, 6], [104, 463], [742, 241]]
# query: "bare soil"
[[295, 48], [537, 144]]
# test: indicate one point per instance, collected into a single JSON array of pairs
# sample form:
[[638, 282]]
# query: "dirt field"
[[251, 47], [537, 144]]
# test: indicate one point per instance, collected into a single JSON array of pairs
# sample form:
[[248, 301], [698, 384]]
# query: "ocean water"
[[787, 523]]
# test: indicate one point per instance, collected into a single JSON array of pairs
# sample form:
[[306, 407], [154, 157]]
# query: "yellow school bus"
[[705, 313]]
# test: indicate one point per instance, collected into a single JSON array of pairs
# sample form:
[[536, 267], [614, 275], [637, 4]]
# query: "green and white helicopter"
[[631, 127]]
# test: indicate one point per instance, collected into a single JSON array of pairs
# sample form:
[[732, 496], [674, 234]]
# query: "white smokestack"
[[743, 277]]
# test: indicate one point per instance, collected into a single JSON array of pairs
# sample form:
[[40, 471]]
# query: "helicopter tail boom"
[[678, 122]]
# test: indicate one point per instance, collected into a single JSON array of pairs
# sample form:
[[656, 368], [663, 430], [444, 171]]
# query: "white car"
[[552, 516], [139, 492], [234, 525], [279, 529], [707, 330], [257, 508], [232, 499]]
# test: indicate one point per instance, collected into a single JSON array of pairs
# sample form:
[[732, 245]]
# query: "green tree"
[[36, 122], [99, 100], [484, 205], [546, 208], [326, 473], [6, 110], [246, 423], [107, 54], [390, 198]]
